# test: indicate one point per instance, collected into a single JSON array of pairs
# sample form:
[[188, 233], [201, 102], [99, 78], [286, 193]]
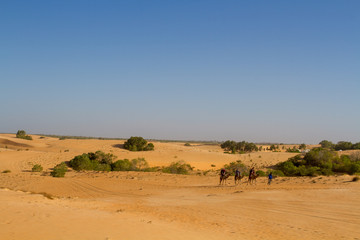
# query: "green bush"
[[121, 165], [98, 161], [179, 167], [22, 134], [37, 168], [276, 173], [320, 161], [138, 144], [138, 164], [231, 167], [187, 144], [59, 170], [261, 173]]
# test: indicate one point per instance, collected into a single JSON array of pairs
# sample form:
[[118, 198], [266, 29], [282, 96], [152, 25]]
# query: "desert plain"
[[155, 205]]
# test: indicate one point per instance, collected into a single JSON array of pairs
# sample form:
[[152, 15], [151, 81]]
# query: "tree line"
[[341, 145]]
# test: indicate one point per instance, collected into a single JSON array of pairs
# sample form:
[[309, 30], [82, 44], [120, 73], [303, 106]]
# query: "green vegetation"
[[37, 168], [59, 170], [138, 144], [293, 150], [231, 167], [139, 164], [179, 167], [320, 161], [240, 147], [187, 144], [22, 134], [98, 161], [341, 145]]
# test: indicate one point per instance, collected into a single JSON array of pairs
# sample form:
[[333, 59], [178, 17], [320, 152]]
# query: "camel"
[[252, 178], [223, 178], [238, 179]]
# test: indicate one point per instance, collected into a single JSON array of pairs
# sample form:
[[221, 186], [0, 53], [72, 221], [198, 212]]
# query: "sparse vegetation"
[[59, 170], [231, 167], [138, 144], [319, 161], [356, 178], [179, 167], [139, 164], [6, 171], [37, 168], [22, 134], [239, 147], [187, 144]]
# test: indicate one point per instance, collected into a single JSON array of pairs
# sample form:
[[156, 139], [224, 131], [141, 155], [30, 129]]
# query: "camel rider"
[[237, 173], [222, 172], [252, 172]]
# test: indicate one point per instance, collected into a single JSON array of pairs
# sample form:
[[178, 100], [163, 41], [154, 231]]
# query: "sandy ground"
[[135, 205]]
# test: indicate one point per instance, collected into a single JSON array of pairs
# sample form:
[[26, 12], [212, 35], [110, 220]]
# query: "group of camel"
[[237, 178]]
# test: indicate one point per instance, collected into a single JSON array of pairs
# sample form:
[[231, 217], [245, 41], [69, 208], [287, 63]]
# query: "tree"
[[342, 145], [326, 144], [22, 134], [302, 146], [228, 145], [138, 144]]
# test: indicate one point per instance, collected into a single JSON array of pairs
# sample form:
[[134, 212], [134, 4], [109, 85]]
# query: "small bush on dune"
[[59, 170], [179, 167], [6, 171], [37, 168], [22, 134]]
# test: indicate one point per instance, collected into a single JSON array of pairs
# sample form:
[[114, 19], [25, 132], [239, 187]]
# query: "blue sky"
[[263, 71]]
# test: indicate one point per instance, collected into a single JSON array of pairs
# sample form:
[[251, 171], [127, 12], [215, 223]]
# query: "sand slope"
[[135, 205]]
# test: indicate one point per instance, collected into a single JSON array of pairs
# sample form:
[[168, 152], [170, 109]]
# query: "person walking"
[[270, 178]]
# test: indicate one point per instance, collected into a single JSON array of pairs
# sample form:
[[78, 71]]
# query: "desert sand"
[[154, 205]]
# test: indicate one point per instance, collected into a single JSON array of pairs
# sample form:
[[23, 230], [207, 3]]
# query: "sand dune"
[[136, 205]]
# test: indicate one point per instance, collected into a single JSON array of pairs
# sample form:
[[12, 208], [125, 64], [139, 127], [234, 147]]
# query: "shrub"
[[6, 171], [355, 179], [187, 144], [179, 167], [121, 165], [59, 170], [327, 144], [138, 144], [22, 134], [231, 167], [277, 173], [261, 173], [81, 162], [98, 161], [37, 168]]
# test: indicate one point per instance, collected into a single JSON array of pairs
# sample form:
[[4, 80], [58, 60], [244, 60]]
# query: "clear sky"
[[260, 71]]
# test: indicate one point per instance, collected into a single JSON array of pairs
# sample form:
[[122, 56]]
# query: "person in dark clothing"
[[252, 172], [270, 178], [237, 173]]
